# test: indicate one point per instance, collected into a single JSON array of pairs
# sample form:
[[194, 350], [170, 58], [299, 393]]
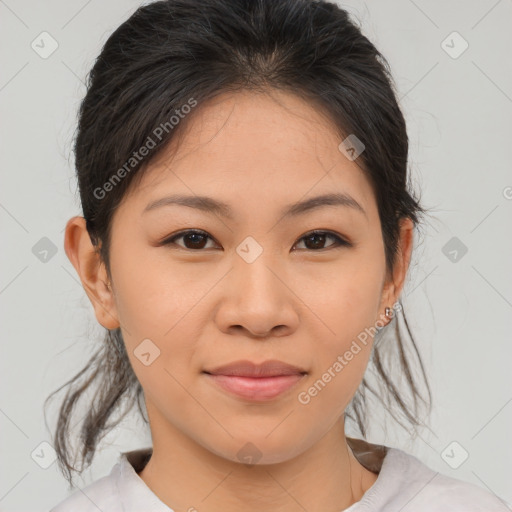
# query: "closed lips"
[[256, 382], [245, 368]]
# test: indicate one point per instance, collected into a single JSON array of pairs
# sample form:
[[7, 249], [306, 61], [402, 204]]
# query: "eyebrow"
[[210, 205]]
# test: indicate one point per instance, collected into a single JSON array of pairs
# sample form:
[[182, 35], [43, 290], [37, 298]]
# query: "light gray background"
[[459, 120]]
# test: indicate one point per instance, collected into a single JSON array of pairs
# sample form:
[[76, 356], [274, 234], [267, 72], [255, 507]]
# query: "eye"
[[318, 237], [196, 239]]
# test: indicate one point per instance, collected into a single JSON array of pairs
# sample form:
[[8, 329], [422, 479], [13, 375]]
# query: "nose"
[[258, 299]]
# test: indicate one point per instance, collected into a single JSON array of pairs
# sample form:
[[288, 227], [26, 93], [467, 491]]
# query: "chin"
[[259, 448]]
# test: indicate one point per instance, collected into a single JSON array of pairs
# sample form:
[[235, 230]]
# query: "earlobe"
[[84, 256]]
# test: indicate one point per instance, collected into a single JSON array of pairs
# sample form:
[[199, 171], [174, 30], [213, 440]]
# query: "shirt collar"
[[134, 494]]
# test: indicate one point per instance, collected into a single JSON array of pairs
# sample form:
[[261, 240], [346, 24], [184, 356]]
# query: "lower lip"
[[256, 388]]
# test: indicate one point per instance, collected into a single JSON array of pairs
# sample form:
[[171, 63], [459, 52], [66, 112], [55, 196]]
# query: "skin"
[[208, 306]]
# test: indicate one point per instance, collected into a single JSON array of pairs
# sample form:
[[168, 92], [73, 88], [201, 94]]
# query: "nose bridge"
[[253, 264], [260, 282]]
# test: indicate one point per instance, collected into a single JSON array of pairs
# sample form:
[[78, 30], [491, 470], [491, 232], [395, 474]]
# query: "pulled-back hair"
[[173, 51]]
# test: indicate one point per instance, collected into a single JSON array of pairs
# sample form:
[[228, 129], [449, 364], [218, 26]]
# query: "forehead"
[[255, 148]]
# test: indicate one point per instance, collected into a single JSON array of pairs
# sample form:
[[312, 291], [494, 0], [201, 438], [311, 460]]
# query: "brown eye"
[[316, 240], [193, 239]]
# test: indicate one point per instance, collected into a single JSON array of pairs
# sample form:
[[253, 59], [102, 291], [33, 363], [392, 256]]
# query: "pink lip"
[[256, 381], [256, 388]]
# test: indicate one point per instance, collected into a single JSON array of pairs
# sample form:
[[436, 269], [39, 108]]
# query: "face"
[[194, 289]]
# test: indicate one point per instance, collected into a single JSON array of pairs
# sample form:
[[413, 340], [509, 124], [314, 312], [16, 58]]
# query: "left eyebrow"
[[210, 205], [337, 199]]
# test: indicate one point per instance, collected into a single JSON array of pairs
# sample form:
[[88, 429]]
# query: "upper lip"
[[245, 368]]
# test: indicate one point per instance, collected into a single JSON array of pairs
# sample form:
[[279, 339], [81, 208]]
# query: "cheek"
[[348, 309], [153, 293], [161, 310], [339, 366], [348, 302]]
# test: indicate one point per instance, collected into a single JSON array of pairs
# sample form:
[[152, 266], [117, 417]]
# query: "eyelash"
[[340, 242]]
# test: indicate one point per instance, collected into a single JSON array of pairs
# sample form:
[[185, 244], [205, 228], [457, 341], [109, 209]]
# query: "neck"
[[186, 476]]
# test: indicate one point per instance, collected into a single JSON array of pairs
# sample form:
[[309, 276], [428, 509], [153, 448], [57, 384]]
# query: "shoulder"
[[120, 491], [99, 495], [445, 491], [423, 489]]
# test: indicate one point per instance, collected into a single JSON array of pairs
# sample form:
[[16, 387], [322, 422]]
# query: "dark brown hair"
[[170, 51]]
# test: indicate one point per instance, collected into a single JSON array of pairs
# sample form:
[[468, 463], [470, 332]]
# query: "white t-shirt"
[[404, 484]]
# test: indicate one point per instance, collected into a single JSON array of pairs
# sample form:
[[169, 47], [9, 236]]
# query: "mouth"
[[256, 382]]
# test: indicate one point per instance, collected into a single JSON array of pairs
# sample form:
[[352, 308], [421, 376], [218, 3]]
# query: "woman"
[[246, 234]]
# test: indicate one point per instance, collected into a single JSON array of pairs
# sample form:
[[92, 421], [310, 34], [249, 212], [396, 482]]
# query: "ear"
[[393, 288], [85, 257]]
